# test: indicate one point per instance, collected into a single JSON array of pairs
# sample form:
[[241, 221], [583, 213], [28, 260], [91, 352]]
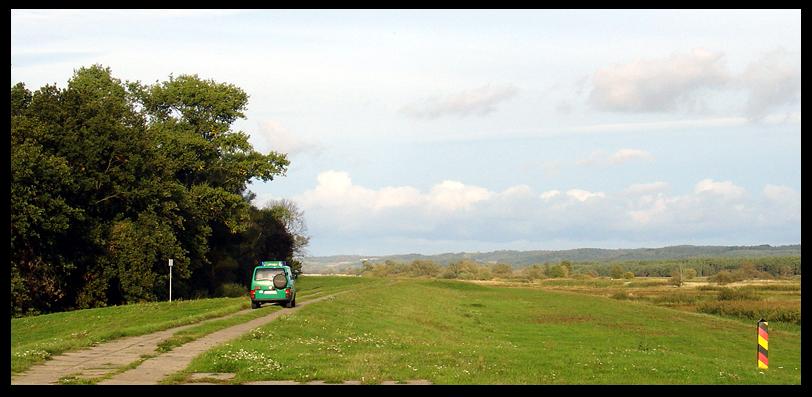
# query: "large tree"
[[110, 179]]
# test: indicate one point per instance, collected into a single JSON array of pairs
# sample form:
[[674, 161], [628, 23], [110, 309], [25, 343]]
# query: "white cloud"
[[273, 136], [549, 194], [479, 101], [658, 85], [783, 204], [624, 155], [724, 189], [647, 188], [453, 195], [779, 193], [602, 158], [584, 195], [455, 211], [772, 81]]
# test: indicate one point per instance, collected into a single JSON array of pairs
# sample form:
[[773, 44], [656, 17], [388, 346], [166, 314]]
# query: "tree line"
[[110, 179], [717, 269]]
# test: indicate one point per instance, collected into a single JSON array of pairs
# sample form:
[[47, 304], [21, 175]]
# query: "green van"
[[272, 282]]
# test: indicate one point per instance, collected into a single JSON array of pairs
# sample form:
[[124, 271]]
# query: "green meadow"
[[36, 338], [453, 332]]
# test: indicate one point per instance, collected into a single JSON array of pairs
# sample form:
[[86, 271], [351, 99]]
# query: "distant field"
[[778, 301], [453, 332]]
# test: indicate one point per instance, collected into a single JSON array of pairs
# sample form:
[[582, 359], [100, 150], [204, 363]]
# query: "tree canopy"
[[112, 178]]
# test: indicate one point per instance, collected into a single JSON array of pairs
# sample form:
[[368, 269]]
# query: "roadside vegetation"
[[452, 332]]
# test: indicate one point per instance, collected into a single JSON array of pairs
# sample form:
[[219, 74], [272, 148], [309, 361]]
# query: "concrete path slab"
[[213, 375], [155, 369], [110, 355]]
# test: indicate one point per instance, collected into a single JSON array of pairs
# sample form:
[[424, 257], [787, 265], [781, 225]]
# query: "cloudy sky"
[[447, 131]]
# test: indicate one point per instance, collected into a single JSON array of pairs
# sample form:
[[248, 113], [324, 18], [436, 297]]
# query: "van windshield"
[[267, 274]]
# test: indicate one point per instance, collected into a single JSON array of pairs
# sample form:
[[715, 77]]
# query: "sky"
[[431, 131]]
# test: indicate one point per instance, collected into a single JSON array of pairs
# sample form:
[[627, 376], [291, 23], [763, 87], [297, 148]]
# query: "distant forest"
[[710, 257], [719, 269]]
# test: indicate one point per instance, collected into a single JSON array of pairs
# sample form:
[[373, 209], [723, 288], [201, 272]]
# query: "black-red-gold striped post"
[[762, 344]]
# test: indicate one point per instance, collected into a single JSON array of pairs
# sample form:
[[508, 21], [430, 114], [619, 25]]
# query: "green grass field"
[[36, 338], [308, 288], [452, 332]]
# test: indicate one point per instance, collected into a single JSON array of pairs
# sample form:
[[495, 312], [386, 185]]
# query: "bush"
[[709, 288], [621, 295], [533, 272], [789, 312], [616, 271], [725, 277], [675, 299], [732, 294], [676, 278], [501, 270], [774, 287], [232, 290], [628, 275], [647, 283], [558, 271]]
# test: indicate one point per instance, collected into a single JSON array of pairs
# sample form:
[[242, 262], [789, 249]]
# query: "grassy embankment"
[[452, 332], [34, 339]]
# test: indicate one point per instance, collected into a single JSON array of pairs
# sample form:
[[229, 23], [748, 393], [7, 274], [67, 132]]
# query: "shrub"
[[616, 271], [420, 268], [502, 270], [232, 290], [558, 271], [676, 278], [533, 272], [789, 312], [675, 299], [737, 294], [628, 275], [775, 287], [725, 277], [621, 295], [647, 283], [482, 273]]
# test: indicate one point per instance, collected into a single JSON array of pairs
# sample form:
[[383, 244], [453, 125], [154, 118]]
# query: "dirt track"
[[110, 356]]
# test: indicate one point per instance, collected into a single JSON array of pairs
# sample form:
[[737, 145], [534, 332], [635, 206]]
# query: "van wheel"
[[289, 303], [293, 302], [255, 305]]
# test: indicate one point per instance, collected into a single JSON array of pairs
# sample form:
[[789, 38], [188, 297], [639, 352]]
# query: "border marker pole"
[[762, 345]]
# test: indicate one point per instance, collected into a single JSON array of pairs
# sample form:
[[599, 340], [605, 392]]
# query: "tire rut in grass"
[[154, 370], [102, 359]]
